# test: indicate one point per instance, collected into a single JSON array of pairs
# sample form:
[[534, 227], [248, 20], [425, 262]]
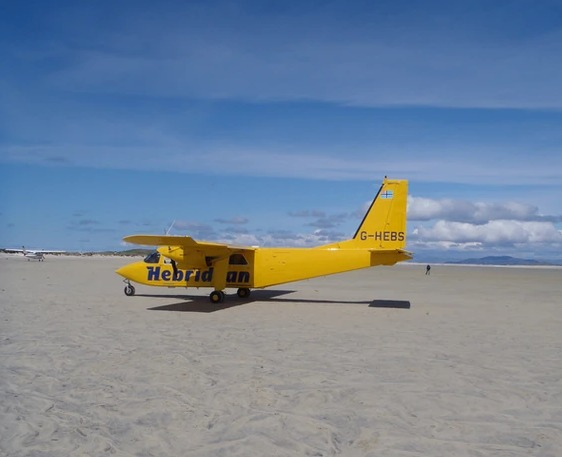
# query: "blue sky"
[[273, 123]]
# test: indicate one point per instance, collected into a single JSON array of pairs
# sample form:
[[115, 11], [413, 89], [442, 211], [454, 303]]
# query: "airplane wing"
[[183, 241], [32, 251], [45, 251]]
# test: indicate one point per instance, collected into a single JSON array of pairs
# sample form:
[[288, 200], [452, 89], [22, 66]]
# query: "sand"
[[380, 362]]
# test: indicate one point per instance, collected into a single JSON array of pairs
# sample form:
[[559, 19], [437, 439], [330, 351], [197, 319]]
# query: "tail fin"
[[384, 224]]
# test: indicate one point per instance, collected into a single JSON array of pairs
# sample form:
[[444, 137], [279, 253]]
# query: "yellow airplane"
[[180, 261]]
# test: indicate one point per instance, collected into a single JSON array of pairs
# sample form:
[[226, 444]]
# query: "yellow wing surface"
[[187, 252], [172, 240]]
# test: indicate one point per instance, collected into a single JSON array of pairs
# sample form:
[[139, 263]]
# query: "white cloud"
[[495, 232], [349, 73], [280, 238], [444, 246], [446, 224], [315, 55], [282, 160], [424, 209], [235, 220]]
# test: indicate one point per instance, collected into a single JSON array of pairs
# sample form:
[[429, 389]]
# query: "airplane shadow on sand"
[[396, 304], [201, 304]]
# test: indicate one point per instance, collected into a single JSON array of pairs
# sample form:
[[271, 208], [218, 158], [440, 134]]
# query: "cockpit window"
[[237, 259], [153, 257]]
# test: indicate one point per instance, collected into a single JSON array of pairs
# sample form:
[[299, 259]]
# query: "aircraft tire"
[[243, 292], [216, 296], [129, 290]]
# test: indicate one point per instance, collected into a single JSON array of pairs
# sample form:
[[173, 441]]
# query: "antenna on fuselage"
[[167, 232], [174, 265]]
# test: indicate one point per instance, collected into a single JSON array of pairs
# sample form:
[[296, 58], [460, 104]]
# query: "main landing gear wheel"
[[129, 290], [243, 292], [217, 296]]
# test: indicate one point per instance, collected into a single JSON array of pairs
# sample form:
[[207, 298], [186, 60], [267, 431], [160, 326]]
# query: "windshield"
[[153, 257]]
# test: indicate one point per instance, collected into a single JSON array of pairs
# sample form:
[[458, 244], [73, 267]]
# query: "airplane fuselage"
[[34, 256], [184, 262], [265, 267]]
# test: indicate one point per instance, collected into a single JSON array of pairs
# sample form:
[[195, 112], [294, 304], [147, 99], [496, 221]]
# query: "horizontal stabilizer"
[[392, 251], [389, 256]]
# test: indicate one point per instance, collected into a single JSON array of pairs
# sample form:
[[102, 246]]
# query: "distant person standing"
[[428, 270]]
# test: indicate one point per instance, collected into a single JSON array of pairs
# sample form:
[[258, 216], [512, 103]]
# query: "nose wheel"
[[129, 290]]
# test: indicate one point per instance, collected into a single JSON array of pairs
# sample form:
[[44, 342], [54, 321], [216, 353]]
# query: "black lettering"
[[178, 275], [207, 276], [243, 276], [153, 273], [231, 277], [363, 235]]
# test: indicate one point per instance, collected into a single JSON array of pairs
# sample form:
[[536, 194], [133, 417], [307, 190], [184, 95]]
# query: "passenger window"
[[237, 259]]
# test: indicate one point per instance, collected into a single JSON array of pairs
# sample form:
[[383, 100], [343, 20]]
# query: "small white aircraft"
[[32, 254]]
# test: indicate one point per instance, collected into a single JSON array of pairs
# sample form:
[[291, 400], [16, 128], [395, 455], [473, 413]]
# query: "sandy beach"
[[379, 362]]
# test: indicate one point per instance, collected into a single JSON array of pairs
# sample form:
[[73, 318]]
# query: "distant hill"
[[501, 260]]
